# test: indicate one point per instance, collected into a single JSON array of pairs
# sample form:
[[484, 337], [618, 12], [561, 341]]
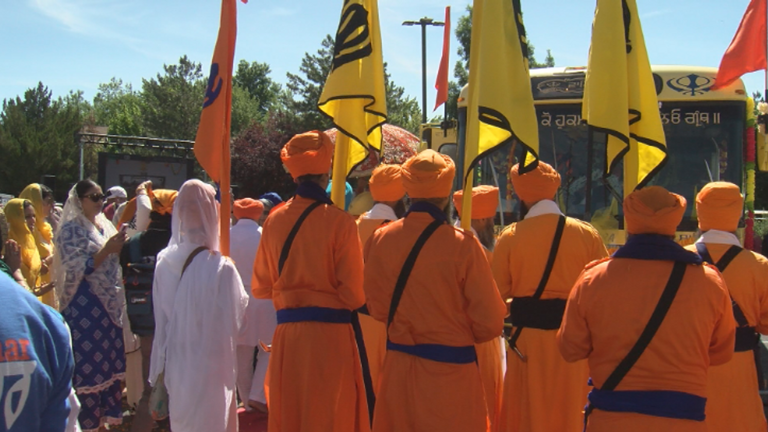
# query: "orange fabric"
[[719, 206], [485, 201], [128, 212], [536, 185], [307, 153], [733, 402], [653, 210], [428, 174], [315, 378], [162, 200], [610, 306], [450, 299], [386, 183], [374, 332], [545, 393], [248, 208], [489, 361], [747, 51]]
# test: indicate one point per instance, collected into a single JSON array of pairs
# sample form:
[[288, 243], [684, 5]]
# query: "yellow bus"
[[436, 135], [704, 130]]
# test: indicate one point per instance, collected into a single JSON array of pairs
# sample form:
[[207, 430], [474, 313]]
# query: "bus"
[[704, 130]]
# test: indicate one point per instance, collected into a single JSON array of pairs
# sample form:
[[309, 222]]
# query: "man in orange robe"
[[733, 401], [313, 272], [650, 320], [447, 303], [542, 392], [387, 190], [490, 355]]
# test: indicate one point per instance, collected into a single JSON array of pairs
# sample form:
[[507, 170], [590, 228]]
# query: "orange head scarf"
[[485, 201], [248, 208], [307, 153], [719, 206], [19, 232], [539, 184], [653, 210], [428, 174], [162, 200], [386, 183]]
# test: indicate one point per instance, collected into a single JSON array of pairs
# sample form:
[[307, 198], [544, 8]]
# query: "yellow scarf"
[[43, 230], [19, 232]]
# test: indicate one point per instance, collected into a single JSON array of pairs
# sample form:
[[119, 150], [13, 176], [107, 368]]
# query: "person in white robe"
[[261, 319], [199, 313]]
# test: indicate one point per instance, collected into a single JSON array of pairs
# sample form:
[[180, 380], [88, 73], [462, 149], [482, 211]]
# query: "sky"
[[78, 44]]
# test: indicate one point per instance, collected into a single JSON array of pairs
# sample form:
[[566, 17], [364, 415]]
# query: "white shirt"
[[719, 237], [543, 207], [243, 244], [381, 212]]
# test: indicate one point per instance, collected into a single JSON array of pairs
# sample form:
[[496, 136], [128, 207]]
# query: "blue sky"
[[77, 44]]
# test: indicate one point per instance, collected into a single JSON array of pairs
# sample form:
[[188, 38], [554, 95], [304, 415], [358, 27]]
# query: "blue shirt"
[[36, 363], [349, 194]]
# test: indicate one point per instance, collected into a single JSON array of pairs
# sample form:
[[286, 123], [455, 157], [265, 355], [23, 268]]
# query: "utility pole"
[[424, 22]]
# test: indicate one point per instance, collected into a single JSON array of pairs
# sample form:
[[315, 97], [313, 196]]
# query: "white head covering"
[[117, 191], [195, 223], [77, 240]]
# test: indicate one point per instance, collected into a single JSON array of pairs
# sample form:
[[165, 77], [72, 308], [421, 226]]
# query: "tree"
[[254, 79], [37, 137], [256, 164], [245, 110], [464, 36], [172, 102], [119, 107], [304, 92]]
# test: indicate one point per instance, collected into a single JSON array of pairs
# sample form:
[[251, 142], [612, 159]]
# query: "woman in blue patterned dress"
[[88, 284]]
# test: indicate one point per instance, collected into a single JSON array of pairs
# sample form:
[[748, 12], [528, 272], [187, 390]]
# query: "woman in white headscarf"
[[198, 314], [89, 288]]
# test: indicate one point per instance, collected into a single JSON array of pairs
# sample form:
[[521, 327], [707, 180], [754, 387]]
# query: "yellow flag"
[[620, 94], [354, 96], [500, 99]]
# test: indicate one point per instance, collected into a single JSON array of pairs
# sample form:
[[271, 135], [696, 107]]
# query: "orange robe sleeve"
[[485, 307], [348, 259], [723, 336], [264, 268], [500, 264], [573, 337], [762, 291]]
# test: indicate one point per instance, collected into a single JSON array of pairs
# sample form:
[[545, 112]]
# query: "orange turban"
[[653, 210], [539, 184], [308, 153], [248, 208], [485, 201], [428, 174], [386, 183], [162, 200], [719, 206]]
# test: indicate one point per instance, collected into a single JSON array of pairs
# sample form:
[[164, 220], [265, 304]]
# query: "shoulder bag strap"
[[721, 265], [191, 256], [405, 272], [292, 235], [547, 272], [657, 317]]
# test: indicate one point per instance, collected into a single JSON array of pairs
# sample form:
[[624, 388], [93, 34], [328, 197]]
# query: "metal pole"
[[423, 71], [82, 163]]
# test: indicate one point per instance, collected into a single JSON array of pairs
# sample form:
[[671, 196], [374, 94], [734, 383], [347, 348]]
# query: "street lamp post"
[[424, 22]]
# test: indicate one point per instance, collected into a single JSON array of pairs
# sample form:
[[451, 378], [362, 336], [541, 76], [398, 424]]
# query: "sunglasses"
[[95, 197]]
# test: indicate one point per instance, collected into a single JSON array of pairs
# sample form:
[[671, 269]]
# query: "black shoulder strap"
[[292, 235], [191, 256], [721, 265], [547, 272], [402, 279], [662, 307]]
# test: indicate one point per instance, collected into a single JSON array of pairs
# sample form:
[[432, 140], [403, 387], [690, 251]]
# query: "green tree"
[[254, 78], [117, 106], [173, 101], [245, 110], [464, 35], [403, 111], [37, 137]]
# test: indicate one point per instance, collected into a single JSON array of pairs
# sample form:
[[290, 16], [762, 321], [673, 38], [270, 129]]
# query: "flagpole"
[[339, 180]]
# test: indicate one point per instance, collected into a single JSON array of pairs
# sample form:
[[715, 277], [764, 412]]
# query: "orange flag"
[[747, 50], [441, 84], [212, 140]]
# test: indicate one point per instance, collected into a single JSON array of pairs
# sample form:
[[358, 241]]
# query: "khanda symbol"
[[212, 93], [353, 41], [518, 11], [627, 22]]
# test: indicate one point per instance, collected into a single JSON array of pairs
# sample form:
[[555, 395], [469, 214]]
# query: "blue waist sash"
[[658, 403], [314, 313], [438, 353]]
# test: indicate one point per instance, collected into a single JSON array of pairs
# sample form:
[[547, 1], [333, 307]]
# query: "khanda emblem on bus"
[[691, 85], [627, 22], [521, 31], [353, 38], [212, 93]]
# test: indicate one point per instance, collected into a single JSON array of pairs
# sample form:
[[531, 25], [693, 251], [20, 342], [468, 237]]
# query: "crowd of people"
[[390, 321]]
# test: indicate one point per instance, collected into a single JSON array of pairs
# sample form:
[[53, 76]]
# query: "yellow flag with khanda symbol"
[[620, 96], [500, 105], [354, 95]]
